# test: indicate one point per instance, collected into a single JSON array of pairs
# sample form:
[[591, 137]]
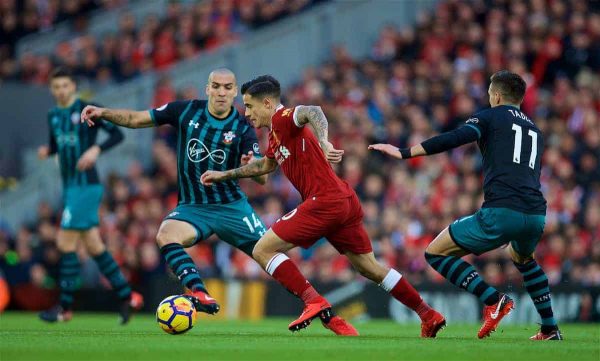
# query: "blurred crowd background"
[[417, 82], [135, 47]]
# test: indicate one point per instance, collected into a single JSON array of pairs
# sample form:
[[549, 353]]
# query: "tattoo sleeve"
[[262, 166], [315, 116], [128, 118]]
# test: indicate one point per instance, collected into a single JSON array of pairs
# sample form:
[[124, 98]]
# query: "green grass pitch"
[[98, 337]]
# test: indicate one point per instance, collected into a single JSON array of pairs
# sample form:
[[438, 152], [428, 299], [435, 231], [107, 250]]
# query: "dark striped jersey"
[[206, 143], [512, 148], [70, 139]]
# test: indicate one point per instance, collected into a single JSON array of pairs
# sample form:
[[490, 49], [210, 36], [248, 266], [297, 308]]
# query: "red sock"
[[286, 273], [404, 292]]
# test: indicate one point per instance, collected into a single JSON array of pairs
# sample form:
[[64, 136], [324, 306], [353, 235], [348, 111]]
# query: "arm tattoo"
[[260, 167], [315, 116], [128, 118], [119, 117]]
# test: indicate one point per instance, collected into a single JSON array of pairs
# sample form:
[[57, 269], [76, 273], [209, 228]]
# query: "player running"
[[77, 153], [514, 209], [212, 135], [330, 208]]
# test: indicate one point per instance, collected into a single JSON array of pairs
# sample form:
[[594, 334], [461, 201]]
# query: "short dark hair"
[[262, 86], [510, 85], [61, 72]]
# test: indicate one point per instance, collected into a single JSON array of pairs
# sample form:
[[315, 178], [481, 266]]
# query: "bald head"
[[221, 89], [221, 72]]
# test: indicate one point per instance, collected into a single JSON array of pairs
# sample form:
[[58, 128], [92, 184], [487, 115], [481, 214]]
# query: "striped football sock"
[[69, 268], [463, 275], [110, 269], [536, 283], [183, 267]]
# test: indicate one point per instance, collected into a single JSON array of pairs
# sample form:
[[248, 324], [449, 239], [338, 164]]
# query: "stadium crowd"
[[135, 47], [418, 81]]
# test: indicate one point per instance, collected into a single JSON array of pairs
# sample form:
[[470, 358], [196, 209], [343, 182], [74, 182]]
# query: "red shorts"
[[338, 220]]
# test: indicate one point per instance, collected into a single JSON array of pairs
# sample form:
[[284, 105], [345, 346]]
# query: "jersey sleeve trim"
[[476, 129], [296, 118], [151, 111]]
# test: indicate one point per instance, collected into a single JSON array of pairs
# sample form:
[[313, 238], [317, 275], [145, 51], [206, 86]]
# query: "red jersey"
[[297, 151]]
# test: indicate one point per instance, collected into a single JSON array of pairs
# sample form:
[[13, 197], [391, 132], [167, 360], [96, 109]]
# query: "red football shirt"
[[297, 151]]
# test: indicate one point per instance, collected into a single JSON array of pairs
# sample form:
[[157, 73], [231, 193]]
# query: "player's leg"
[[351, 239], [534, 277], [68, 279], [476, 234], [269, 252], [175, 234], [392, 282], [239, 226], [130, 300], [445, 257]]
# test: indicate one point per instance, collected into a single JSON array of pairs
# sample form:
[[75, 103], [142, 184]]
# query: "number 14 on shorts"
[[257, 224]]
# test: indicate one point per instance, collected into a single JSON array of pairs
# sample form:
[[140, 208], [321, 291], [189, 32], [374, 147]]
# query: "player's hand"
[[248, 158], [91, 113], [43, 152], [333, 155], [88, 159], [211, 176], [387, 149]]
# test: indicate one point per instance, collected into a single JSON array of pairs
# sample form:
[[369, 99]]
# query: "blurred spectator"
[[135, 47]]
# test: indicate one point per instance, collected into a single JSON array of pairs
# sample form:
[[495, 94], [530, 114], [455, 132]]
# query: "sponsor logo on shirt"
[[198, 152], [281, 154]]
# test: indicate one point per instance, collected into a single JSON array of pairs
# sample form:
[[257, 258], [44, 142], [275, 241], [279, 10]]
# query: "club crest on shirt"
[[228, 137], [75, 118]]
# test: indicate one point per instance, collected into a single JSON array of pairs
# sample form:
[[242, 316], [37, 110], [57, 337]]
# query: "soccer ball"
[[176, 314]]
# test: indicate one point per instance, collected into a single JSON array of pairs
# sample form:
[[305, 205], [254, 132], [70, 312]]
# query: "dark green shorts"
[[491, 228], [81, 205], [235, 223]]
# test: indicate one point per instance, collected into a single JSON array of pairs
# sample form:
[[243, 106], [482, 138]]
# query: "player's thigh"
[[526, 239], [238, 224], [66, 240], [487, 229], [92, 241], [175, 231], [185, 225], [367, 265], [350, 238], [80, 211], [444, 245], [267, 246], [306, 224]]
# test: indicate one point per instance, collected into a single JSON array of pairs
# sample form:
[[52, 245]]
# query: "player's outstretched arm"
[[313, 115], [122, 117], [439, 143], [249, 158], [262, 166]]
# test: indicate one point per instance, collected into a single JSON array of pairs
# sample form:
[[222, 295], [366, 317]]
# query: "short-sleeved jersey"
[[512, 148], [297, 151], [70, 139], [206, 143]]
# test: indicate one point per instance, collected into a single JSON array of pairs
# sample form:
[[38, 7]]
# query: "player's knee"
[[259, 254], [518, 258], [95, 247], [163, 238]]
